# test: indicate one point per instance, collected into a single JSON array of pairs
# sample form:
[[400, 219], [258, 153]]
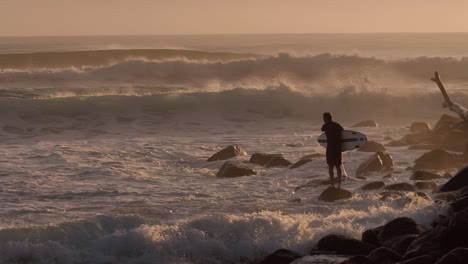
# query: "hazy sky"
[[115, 17]]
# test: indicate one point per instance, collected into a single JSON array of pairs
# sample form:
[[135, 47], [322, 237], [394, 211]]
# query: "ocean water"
[[105, 141]]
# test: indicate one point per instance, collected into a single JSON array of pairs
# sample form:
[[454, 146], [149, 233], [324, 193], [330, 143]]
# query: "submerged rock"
[[436, 160], [227, 153], [269, 160], [332, 194], [235, 169], [372, 146], [367, 123]]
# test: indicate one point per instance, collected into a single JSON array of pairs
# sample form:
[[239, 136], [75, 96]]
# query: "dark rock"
[[371, 236], [456, 256], [457, 231], [425, 185], [431, 242], [383, 255], [455, 140], [457, 182], [235, 169], [445, 123], [372, 146], [227, 153], [388, 175], [402, 186], [281, 256], [367, 123], [300, 163], [278, 161], [401, 243], [437, 160], [380, 161], [424, 259], [420, 127], [332, 194], [357, 260], [446, 197], [424, 176], [342, 245], [399, 226], [373, 185], [262, 159]]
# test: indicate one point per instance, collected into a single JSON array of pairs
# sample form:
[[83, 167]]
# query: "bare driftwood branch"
[[457, 108]]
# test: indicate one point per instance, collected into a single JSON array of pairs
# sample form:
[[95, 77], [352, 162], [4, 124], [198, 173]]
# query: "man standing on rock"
[[333, 132]]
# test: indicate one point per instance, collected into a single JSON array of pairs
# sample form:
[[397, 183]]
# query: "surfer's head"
[[327, 117]]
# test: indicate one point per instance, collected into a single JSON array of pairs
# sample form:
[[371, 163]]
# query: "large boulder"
[[281, 256], [437, 159], [380, 161], [342, 245], [278, 161], [456, 256], [383, 255], [424, 176], [423, 259], [420, 128], [431, 242], [367, 123], [232, 169], [401, 243], [372, 146], [371, 236], [458, 181], [445, 123], [332, 194], [399, 226], [227, 153]]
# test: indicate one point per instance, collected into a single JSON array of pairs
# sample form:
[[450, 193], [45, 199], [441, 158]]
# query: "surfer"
[[333, 132]]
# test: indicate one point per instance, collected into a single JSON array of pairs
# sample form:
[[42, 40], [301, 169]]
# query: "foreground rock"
[[342, 245], [281, 256], [332, 194], [457, 182], [436, 160], [227, 153], [380, 161], [232, 169]]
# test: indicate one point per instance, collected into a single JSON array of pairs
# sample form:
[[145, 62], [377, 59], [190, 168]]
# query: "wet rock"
[[423, 195], [425, 185], [402, 186], [278, 161], [314, 155], [332, 194], [445, 123], [401, 243], [457, 230], [300, 163], [388, 175], [383, 255], [367, 123], [456, 256], [436, 160], [424, 176], [342, 245], [391, 195], [373, 185], [430, 242], [424, 259], [371, 236], [420, 127], [227, 153], [457, 182], [372, 146], [459, 204], [262, 159], [235, 169], [398, 227], [380, 161], [281, 256], [358, 260]]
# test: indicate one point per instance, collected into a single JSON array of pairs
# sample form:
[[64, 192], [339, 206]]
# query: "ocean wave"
[[54, 115], [306, 72]]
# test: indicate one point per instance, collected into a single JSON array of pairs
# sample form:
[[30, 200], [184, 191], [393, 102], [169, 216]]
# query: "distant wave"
[[230, 70], [96, 58]]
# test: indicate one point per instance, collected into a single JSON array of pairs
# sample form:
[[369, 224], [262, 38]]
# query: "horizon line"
[[237, 34]]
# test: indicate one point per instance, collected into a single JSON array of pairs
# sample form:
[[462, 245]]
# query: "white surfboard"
[[350, 140]]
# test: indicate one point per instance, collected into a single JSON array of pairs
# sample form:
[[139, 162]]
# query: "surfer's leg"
[[338, 175], [332, 177]]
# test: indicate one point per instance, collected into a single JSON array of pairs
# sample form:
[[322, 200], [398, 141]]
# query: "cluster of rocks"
[[402, 240]]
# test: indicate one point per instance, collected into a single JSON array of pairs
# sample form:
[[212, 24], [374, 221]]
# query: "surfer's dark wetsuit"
[[333, 132]]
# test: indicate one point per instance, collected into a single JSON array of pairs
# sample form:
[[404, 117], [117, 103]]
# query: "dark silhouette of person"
[[333, 132]]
